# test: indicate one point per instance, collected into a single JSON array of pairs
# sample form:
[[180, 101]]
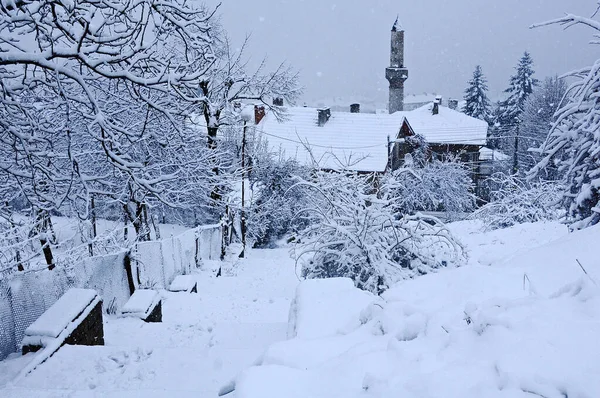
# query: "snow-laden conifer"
[[538, 115], [506, 130], [477, 104]]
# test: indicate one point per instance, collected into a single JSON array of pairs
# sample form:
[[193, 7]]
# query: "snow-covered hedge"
[[274, 205]]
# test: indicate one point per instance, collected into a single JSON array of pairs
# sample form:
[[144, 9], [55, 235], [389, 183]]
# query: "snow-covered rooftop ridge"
[[358, 141], [420, 98], [486, 153], [56, 318], [447, 127], [354, 141]]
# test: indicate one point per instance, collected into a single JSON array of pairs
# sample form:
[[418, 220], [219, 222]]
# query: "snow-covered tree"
[[573, 144], [228, 82], [354, 232], [506, 130], [92, 61], [537, 118], [93, 99], [274, 206], [437, 186], [477, 104]]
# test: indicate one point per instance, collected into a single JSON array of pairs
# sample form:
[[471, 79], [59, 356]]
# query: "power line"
[[321, 146], [446, 141]]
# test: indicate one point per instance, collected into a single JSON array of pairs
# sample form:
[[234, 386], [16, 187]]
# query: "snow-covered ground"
[[522, 319], [518, 321], [204, 341]]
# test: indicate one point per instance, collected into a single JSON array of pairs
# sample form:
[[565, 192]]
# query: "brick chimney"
[[259, 113], [323, 115], [453, 104], [355, 108]]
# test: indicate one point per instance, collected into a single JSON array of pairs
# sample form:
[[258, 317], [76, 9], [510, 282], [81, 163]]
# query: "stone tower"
[[396, 74]]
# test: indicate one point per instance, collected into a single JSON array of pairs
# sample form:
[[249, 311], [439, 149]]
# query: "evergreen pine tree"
[[537, 118], [508, 117], [477, 103]]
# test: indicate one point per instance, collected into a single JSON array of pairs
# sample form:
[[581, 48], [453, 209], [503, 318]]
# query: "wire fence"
[[24, 296]]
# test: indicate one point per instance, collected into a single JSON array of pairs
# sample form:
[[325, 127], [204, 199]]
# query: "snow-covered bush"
[[274, 206], [353, 232], [515, 200], [438, 186]]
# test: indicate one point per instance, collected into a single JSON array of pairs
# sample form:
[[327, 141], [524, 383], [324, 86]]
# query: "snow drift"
[[526, 326]]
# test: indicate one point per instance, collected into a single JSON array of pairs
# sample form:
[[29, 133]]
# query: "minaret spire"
[[396, 73], [397, 24]]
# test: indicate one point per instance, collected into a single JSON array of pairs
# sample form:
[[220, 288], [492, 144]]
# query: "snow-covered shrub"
[[274, 205], [353, 232], [515, 200], [438, 186]]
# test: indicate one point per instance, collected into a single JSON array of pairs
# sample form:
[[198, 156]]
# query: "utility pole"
[[243, 190]]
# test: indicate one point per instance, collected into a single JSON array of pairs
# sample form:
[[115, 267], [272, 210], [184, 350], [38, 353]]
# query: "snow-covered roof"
[[419, 98], [492, 154], [447, 127], [359, 140], [356, 141]]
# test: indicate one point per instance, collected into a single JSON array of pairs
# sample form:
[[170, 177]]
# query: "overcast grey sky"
[[341, 48]]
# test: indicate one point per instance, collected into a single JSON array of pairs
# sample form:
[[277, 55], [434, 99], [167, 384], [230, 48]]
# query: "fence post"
[[196, 259], [128, 271]]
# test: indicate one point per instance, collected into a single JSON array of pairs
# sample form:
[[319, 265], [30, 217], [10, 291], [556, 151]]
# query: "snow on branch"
[[573, 144]]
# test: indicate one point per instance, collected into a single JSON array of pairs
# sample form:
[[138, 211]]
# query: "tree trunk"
[[155, 225], [516, 155], [94, 228], [125, 222], [43, 228]]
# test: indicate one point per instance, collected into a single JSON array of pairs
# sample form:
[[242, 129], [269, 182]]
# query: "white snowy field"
[[522, 319], [204, 341]]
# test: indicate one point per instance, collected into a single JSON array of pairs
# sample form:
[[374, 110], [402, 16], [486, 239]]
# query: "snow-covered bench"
[[184, 283], [76, 318], [144, 304]]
